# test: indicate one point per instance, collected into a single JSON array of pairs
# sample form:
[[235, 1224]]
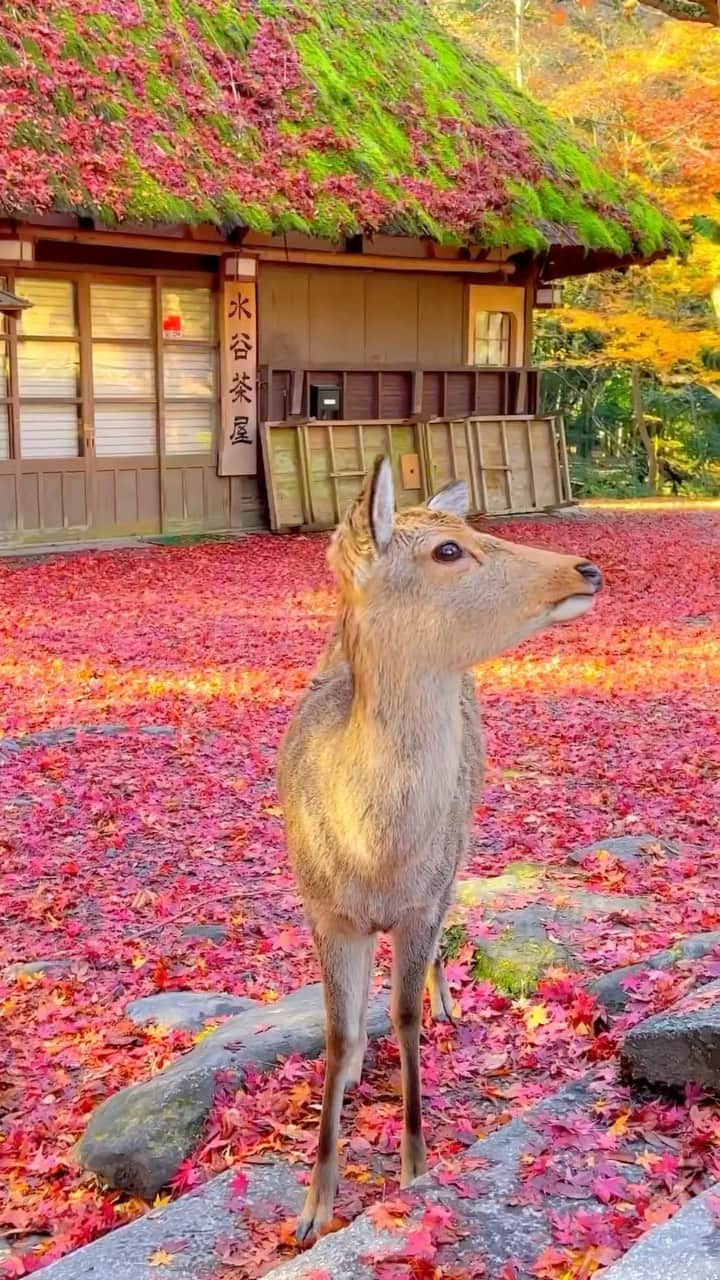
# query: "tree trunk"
[[518, 40], [641, 428]]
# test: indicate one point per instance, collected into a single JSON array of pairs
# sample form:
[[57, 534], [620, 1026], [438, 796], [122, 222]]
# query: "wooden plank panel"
[[489, 393], [284, 309], [544, 463], [391, 319], [441, 321], [148, 498], [519, 458], [30, 500], [490, 436], [217, 500], [460, 394], [396, 395], [361, 395], [247, 509], [281, 450], [432, 394], [174, 508], [441, 472], [51, 500], [75, 503], [105, 514], [126, 496], [337, 319], [194, 483], [320, 464], [8, 504], [406, 440]]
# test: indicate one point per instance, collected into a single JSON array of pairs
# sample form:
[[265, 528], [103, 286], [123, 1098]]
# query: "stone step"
[[189, 1230], [493, 1224], [685, 1248], [481, 1195]]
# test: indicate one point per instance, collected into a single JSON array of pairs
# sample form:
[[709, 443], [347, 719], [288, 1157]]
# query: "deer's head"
[[425, 581]]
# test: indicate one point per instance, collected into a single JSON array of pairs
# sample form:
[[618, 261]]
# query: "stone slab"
[[609, 990], [137, 1139], [685, 1248], [197, 1221], [630, 849], [497, 1229], [679, 1046], [187, 1009], [28, 968], [205, 932]]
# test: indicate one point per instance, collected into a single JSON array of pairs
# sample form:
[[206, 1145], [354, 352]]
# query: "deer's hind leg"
[[441, 1001], [414, 946], [346, 960]]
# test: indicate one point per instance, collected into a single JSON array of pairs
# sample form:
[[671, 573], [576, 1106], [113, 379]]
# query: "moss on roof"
[[330, 117]]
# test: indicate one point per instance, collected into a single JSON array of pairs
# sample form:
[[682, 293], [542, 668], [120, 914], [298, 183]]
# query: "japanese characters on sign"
[[239, 428]]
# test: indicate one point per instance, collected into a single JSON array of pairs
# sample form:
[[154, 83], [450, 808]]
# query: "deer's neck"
[[405, 716]]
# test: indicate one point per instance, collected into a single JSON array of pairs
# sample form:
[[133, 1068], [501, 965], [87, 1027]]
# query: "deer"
[[382, 761]]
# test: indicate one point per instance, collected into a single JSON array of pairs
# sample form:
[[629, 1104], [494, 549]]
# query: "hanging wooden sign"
[[237, 454]]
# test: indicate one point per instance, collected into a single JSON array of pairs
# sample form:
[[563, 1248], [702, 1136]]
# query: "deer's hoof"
[[414, 1161], [443, 1008], [317, 1212]]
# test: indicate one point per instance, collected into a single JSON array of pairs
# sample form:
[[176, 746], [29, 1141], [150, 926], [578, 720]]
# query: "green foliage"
[[606, 457]]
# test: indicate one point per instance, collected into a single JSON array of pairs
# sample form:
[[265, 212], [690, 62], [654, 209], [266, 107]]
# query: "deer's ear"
[[367, 527], [381, 503], [453, 500]]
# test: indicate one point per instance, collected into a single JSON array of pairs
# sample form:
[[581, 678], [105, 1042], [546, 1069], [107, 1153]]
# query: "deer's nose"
[[591, 574]]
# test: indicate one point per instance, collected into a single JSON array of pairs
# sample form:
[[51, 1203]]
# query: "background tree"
[[643, 345]]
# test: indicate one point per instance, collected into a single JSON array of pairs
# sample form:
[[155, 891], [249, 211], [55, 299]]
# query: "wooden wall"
[[343, 317]]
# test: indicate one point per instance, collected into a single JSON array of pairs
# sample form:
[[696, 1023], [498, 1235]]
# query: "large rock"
[[610, 990], [137, 1139], [187, 1009], [685, 1248], [524, 878], [680, 1046]]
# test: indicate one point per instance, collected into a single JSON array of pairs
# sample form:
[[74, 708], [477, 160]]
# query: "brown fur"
[[381, 765]]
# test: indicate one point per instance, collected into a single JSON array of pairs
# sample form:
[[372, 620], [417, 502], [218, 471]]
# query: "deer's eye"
[[446, 552]]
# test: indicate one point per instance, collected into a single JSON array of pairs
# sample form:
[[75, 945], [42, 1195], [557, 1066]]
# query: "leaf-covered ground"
[[112, 845]]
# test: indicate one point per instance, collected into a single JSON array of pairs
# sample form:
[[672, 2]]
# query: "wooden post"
[[237, 454], [564, 458]]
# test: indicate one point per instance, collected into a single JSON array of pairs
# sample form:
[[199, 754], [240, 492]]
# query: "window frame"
[[504, 341], [81, 277]]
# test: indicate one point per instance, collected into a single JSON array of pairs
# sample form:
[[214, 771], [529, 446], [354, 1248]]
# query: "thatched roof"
[[328, 117]]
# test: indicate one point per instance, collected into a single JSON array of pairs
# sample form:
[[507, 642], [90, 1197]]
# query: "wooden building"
[[253, 257]]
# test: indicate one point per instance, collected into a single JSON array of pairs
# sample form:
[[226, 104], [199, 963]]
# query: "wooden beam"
[[382, 262], [123, 240]]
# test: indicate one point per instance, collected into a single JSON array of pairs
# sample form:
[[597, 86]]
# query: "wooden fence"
[[314, 468]]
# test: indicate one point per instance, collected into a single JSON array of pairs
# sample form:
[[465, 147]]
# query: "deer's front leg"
[[346, 962], [413, 949]]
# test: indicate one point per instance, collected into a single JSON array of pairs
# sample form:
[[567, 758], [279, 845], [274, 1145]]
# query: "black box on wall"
[[324, 400]]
